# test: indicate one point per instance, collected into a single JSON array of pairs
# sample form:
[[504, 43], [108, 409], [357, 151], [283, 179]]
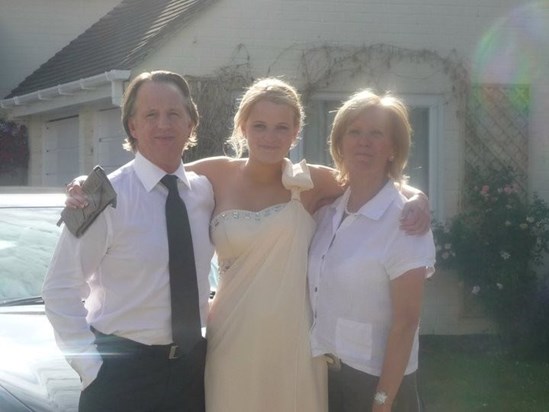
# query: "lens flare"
[[515, 49]]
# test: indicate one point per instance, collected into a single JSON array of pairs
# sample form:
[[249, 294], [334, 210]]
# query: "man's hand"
[[76, 198]]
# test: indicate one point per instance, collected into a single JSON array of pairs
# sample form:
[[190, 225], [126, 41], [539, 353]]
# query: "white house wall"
[[267, 28], [108, 137]]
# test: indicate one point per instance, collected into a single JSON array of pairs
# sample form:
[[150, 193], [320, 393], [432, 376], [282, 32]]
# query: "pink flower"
[[508, 189]]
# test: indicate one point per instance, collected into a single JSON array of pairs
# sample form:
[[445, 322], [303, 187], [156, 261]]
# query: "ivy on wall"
[[216, 98], [318, 68]]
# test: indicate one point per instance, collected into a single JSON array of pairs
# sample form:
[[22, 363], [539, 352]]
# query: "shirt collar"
[[150, 174], [374, 208]]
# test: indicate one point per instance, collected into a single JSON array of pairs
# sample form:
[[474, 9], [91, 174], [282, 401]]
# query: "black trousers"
[[141, 378], [351, 390]]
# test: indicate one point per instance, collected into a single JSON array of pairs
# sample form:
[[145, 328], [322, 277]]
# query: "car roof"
[[31, 196]]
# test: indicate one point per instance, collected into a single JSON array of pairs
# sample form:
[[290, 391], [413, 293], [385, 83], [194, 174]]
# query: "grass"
[[473, 373]]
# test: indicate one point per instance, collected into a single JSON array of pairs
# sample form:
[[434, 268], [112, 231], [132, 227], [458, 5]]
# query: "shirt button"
[[316, 289]]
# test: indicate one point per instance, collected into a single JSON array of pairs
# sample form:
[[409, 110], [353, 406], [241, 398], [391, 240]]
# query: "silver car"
[[34, 375]]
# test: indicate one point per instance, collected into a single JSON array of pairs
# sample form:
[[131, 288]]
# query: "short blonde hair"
[[270, 89], [130, 97], [359, 103]]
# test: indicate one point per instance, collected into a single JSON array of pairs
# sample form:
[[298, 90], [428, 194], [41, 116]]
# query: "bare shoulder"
[[325, 181], [211, 167], [206, 163], [321, 172]]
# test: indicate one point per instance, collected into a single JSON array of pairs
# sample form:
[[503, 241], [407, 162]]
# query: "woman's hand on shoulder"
[[416, 214], [76, 198]]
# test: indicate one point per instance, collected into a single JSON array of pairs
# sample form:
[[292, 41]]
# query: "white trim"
[[434, 103], [106, 86]]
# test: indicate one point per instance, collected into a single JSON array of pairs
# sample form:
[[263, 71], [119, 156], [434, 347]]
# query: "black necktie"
[[186, 326]]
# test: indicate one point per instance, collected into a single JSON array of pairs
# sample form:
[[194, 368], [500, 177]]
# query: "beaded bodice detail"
[[245, 215], [233, 231]]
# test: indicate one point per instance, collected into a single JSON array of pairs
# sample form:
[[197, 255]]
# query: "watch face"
[[380, 397]]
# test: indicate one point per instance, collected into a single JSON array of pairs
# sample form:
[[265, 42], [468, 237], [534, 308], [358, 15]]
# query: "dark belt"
[[113, 345]]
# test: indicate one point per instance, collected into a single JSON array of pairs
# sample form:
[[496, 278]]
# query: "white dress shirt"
[[120, 266], [351, 264]]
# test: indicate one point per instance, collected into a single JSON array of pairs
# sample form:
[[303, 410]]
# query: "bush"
[[14, 147], [495, 244]]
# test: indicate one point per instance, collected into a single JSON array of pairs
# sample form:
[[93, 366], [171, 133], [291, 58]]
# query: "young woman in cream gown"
[[259, 355]]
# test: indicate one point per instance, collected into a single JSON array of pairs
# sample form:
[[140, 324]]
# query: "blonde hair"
[[270, 89], [359, 103], [130, 97]]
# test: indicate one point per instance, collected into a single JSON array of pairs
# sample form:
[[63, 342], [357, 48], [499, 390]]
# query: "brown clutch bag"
[[100, 194]]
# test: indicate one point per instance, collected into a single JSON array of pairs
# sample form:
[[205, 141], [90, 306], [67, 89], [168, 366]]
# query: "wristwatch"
[[380, 397]]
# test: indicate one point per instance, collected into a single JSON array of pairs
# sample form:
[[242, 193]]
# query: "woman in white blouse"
[[366, 275]]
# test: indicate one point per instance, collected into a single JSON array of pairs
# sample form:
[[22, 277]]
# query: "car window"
[[28, 237]]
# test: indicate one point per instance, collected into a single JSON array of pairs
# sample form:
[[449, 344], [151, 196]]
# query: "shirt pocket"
[[354, 339]]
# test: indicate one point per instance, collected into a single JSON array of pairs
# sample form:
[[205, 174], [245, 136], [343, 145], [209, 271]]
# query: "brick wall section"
[[267, 26]]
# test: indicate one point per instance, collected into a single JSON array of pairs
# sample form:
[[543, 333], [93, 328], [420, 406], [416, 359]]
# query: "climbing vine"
[[215, 97], [318, 68]]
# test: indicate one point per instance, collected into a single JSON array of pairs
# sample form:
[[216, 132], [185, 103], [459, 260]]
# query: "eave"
[[107, 88]]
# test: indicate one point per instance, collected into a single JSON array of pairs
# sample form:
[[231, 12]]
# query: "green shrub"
[[495, 244]]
